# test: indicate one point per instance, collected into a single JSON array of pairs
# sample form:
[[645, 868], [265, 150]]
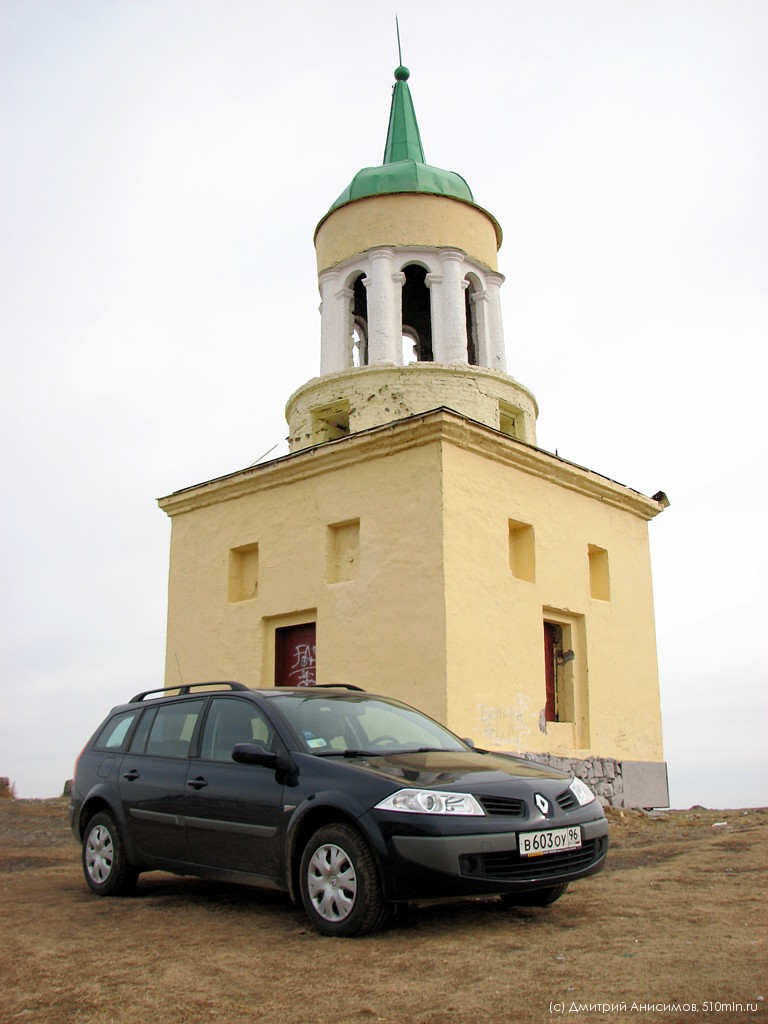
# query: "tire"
[[339, 882], [535, 897], [105, 864]]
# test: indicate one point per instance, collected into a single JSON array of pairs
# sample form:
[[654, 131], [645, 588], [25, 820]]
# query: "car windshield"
[[356, 724]]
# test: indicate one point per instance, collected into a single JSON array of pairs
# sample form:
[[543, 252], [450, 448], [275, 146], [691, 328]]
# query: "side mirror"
[[470, 743], [255, 753]]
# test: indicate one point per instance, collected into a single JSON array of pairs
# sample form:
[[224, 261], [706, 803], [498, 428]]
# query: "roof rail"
[[338, 686], [173, 691]]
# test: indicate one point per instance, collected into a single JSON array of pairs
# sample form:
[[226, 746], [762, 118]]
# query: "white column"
[[496, 355], [398, 281], [335, 324], [435, 284], [454, 313], [382, 327]]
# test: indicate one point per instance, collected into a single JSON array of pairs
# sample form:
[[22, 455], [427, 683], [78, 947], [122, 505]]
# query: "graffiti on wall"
[[302, 671], [507, 725]]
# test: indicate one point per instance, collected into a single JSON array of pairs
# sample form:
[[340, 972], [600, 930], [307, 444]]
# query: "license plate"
[[534, 844]]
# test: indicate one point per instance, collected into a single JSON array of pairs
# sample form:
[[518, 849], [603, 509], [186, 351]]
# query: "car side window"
[[115, 732], [171, 732], [139, 741], [230, 722]]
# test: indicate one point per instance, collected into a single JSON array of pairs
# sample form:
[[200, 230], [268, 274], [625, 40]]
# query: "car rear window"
[[115, 732]]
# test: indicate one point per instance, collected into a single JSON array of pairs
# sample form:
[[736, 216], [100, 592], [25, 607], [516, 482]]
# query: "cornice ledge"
[[377, 442], [440, 425], [478, 438]]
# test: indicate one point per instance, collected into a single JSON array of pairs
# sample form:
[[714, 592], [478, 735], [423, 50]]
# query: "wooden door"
[[295, 655], [550, 654]]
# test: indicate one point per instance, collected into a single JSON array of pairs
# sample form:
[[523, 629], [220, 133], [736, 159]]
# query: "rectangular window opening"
[[243, 572], [599, 579], [559, 656], [511, 421], [343, 551], [330, 422], [566, 707], [522, 551]]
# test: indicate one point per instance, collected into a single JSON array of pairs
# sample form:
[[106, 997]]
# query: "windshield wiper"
[[352, 752], [346, 753]]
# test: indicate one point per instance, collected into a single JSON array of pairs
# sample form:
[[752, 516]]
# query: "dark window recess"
[[295, 655], [471, 313], [360, 321], [417, 312]]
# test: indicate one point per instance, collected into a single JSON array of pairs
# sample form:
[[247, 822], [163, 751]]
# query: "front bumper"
[[435, 866]]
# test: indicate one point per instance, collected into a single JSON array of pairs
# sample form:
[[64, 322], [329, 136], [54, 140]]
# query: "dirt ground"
[[674, 929]]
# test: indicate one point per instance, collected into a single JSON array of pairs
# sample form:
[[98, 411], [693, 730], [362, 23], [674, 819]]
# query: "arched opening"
[[471, 311], [359, 322], [410, 346], [417, 315]]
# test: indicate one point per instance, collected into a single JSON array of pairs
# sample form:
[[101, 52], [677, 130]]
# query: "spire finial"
[[402, 74]]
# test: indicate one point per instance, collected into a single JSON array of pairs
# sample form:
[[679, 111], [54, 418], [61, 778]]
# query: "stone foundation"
[[616, 783]]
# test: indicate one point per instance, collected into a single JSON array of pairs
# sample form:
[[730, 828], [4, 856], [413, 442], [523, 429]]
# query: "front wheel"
[[339, 882], [105, 864], [535, 897]]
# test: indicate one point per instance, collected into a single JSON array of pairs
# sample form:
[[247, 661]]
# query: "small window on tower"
[[511, 420], [330, 422]]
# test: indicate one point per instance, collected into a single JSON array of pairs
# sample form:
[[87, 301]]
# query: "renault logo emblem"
[[541, 803]]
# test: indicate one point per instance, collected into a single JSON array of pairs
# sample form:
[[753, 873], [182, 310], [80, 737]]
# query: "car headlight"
[[582, 792], [430, 801]]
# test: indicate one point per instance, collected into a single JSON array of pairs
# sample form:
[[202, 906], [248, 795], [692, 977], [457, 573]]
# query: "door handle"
[[198, 783], [132, 775]]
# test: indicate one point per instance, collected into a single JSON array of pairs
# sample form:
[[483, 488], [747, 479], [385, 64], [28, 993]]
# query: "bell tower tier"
[[346, 402], [411, 309]]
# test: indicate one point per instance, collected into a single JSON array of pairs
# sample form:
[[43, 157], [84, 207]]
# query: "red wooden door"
[[295, 655], [550, 646]]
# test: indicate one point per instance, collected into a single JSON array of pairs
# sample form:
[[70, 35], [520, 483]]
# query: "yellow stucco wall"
[[432, 614], [384, 628], [495, 620], [407, 219]]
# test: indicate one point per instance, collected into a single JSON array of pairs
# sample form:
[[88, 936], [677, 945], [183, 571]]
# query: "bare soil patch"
[[677, 919]]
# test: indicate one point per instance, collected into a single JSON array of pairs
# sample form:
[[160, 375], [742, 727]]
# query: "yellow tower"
[[416, 542]]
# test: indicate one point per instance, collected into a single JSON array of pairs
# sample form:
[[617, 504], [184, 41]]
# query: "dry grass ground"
[[678, 917]]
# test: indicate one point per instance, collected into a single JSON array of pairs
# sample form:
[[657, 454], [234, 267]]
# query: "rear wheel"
[[535, 897], [105, 864], [340, 886]]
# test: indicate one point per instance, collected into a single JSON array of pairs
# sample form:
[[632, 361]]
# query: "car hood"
[[454, 769]]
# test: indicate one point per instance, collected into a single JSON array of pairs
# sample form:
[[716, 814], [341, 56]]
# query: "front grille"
[[567, 800], [506, 806], [511, 867]]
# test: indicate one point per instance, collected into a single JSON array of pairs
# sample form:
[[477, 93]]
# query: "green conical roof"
[[404, 168]]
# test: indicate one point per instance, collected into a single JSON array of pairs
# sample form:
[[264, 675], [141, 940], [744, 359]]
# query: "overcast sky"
[[164, 164]]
